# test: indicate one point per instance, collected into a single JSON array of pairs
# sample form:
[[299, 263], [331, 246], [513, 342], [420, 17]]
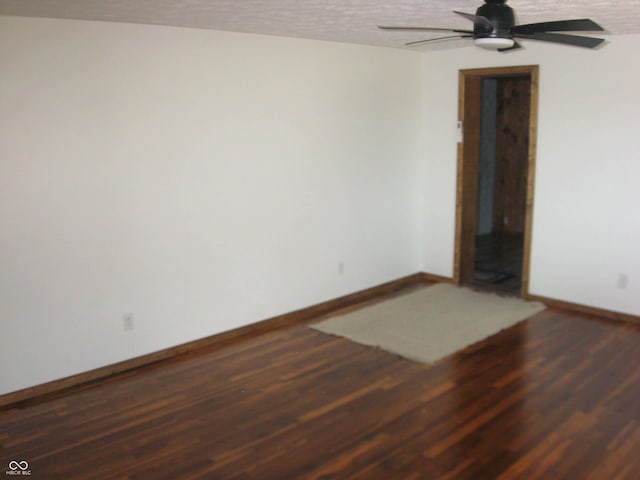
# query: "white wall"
[[586, 226], [205, 180], [199, 180]]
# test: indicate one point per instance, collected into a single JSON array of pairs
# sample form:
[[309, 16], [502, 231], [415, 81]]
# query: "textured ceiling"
[[351, 21]]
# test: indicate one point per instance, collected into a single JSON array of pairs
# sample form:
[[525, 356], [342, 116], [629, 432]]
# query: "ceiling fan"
[[494, 27]]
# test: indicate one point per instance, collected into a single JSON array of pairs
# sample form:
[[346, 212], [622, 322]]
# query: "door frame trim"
[[467, 166]]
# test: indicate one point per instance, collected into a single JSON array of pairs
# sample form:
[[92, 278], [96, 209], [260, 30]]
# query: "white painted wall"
[[204, 181], [199, 180], [586, 226]]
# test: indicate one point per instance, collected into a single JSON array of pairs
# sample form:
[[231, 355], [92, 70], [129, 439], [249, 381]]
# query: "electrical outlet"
[[341, 268], [128, 323], [623, 281]]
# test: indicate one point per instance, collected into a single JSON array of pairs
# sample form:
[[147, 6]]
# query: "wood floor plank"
[[556, 396]]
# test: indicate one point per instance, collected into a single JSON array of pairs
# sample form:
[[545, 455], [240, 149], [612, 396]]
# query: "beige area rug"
[[430, 323]]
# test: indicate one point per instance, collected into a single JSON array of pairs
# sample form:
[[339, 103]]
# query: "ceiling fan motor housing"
[[500, 15]]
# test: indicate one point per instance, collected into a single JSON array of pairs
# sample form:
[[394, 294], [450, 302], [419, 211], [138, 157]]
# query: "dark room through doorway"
[[502, 183], [498, 114]]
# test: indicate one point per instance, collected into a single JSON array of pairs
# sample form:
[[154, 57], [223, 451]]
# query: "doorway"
[[496, 164]]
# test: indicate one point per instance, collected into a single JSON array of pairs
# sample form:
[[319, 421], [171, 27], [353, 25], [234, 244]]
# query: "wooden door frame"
[[469, 84]]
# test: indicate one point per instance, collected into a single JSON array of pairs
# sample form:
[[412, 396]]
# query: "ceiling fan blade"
[[580, 25], [481, 23], [420, 42], [516, 45], [421, 29], [576, 40]]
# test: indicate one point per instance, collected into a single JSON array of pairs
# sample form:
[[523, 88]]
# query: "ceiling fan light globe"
[[494, 43]]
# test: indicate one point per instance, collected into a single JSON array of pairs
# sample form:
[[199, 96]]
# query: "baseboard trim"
[[298, 317], [586, 310], [431, 278]]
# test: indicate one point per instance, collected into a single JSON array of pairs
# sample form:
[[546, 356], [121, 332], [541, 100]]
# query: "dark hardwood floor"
[[554, 397]]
